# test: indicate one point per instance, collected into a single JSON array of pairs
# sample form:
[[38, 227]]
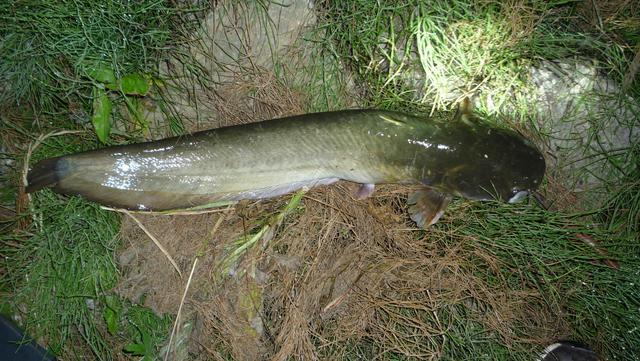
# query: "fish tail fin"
[[45, 173]]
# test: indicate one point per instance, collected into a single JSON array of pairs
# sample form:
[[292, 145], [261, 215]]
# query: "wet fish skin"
[[270, 158]]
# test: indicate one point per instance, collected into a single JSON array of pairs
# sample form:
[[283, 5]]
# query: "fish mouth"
[[518, 196]]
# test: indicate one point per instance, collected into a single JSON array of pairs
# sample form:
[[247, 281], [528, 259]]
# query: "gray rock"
[[587, 119], [235, 39]]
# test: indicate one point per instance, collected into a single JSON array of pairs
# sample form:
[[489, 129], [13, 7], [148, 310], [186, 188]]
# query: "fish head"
[[497, 165]]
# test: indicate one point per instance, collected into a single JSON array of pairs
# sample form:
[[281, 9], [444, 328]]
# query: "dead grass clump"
[[416, 294], [336, 273], [609, 14], [252, 98], [521, 19]]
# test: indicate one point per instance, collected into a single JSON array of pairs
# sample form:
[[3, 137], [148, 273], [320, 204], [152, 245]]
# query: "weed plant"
[[54, 53]]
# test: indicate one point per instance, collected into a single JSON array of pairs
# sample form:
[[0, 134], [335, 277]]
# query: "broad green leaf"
[[146, 341], [111, 318], [101, 114], [102, 74], [111, 313], [137, 349], [135, 84]]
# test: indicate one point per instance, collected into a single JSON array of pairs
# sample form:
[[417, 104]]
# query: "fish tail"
[[45, 173]]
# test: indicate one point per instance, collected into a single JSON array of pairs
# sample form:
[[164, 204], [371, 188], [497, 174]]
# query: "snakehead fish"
[[464, 157]]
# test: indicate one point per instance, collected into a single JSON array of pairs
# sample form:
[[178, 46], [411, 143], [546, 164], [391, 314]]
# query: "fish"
[[463, 157]]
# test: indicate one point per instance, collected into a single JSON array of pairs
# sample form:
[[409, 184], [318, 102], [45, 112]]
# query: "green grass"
[[51, 50], [542, 248], [437, 52], [59, 272], [621, 212]]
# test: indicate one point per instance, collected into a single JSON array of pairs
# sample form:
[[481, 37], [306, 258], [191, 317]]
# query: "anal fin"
[[427, 205]]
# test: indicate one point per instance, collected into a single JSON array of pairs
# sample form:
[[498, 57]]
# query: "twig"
[[153, 238], [186, 288], [632, 72], [168, 213], [177, 321]]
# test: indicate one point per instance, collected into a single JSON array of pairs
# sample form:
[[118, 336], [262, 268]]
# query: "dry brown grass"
[[251, 98], [607, 14], [521, 19], [337, 271]]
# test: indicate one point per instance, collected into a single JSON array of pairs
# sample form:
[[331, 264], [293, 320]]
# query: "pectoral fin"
[[427, 205], [365, 191], [465, 111]]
